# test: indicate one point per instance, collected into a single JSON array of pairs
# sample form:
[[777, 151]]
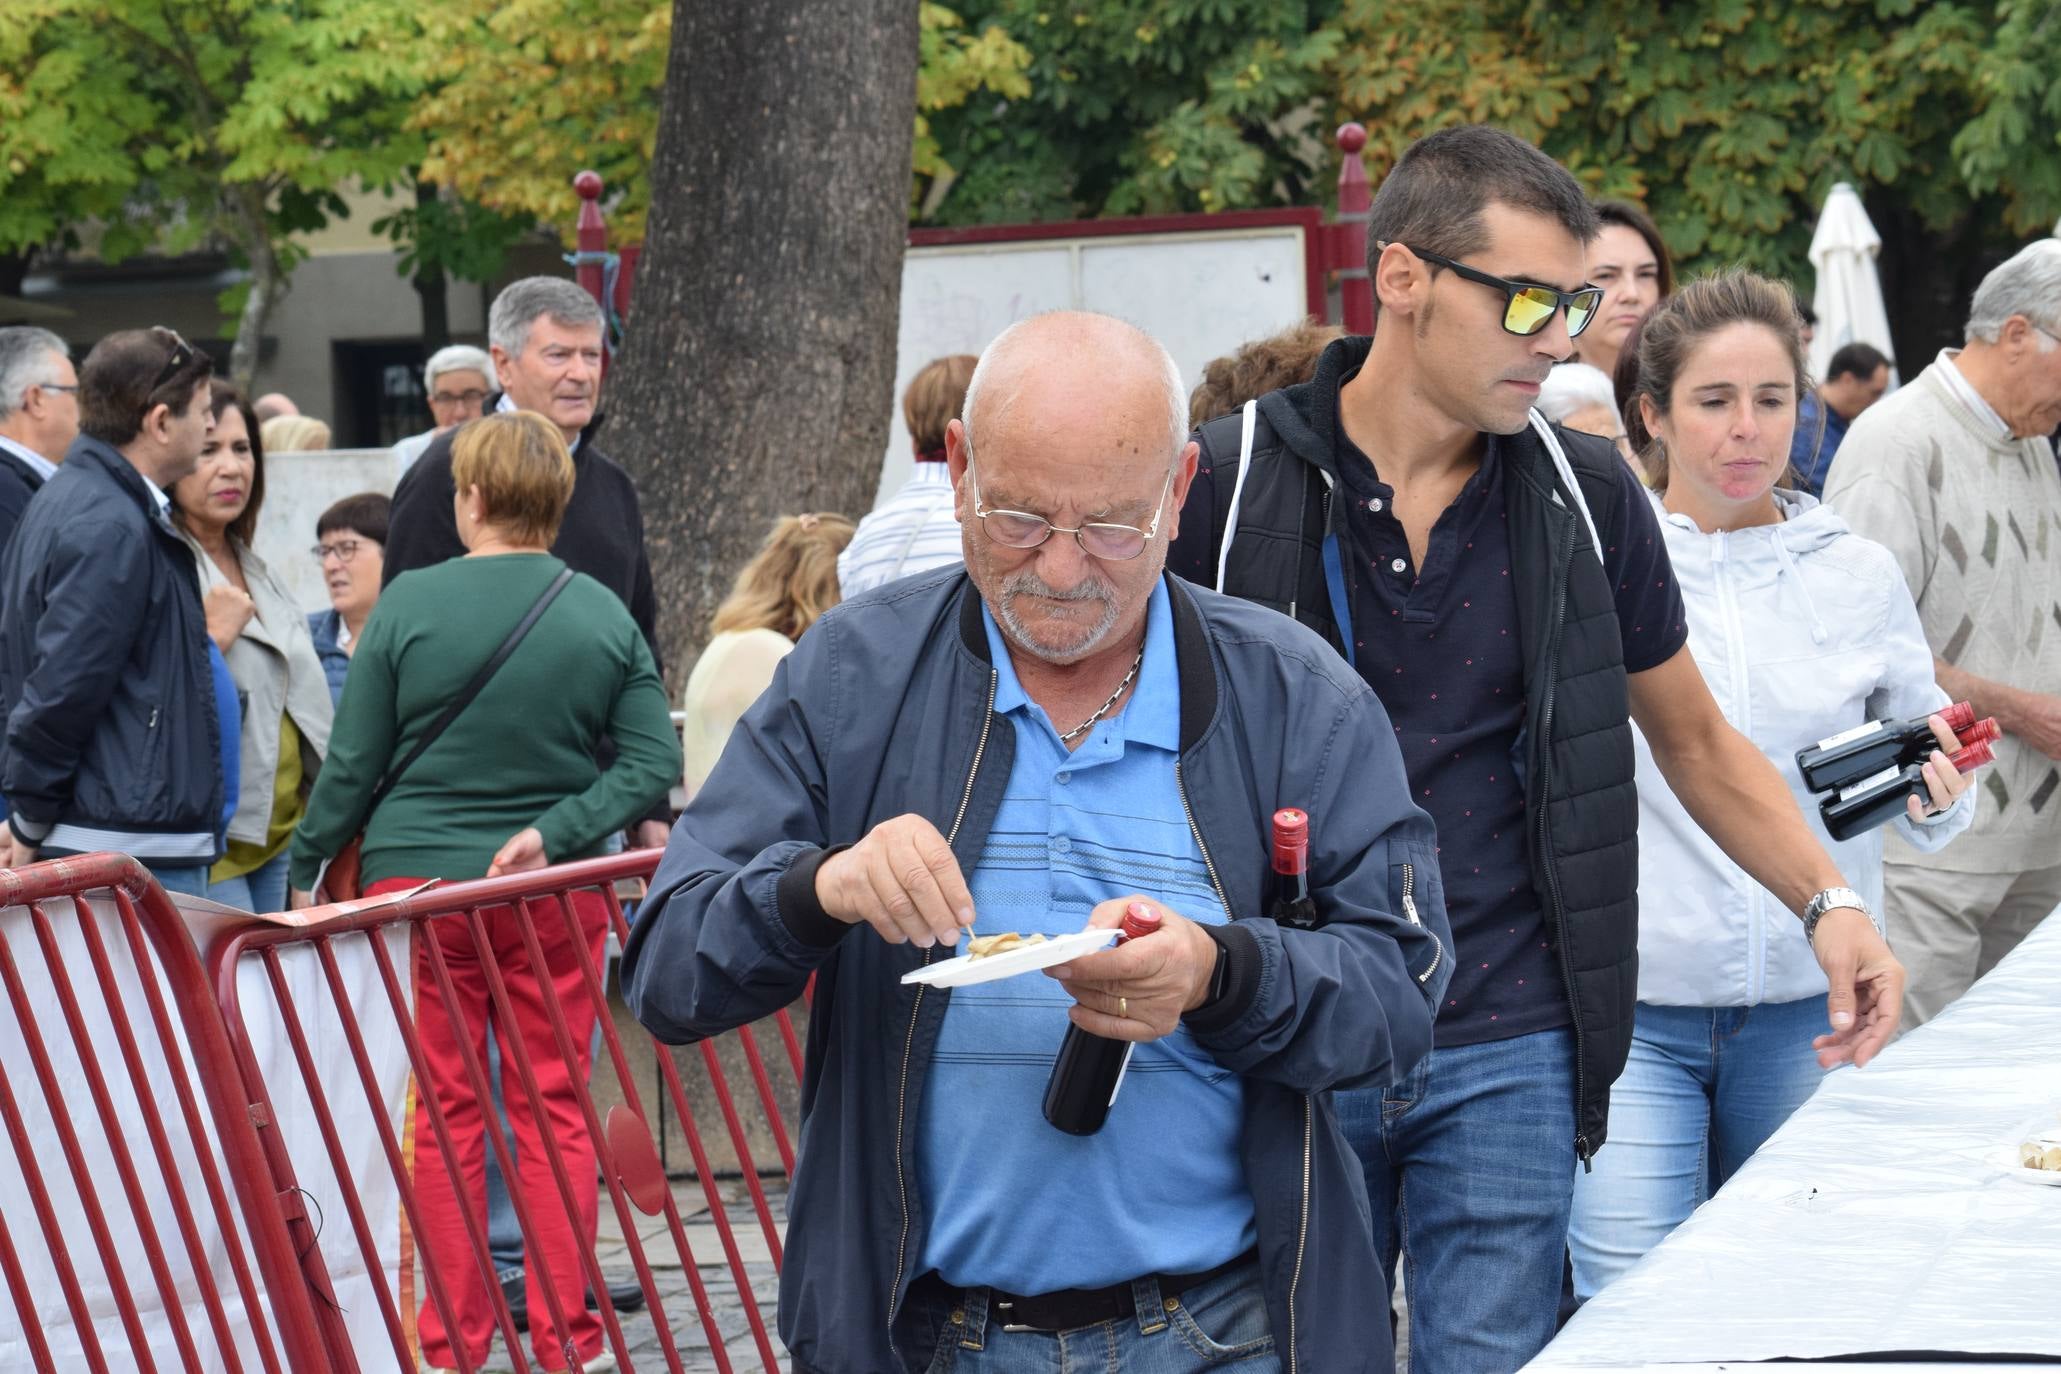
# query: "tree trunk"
[[432, 286], [758, 375], [255, 239]]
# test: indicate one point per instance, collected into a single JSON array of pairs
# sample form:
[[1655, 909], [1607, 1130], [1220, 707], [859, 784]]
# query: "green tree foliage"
[[163, 125]]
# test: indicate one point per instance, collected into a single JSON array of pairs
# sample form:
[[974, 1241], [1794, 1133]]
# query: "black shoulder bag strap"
[[472, 688]]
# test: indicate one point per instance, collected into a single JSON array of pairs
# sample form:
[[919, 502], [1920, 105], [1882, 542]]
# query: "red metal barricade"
[[506, 925], [106, 986]]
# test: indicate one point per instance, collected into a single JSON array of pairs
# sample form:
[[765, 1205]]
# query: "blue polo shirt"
[[1013, 1202], [1812, 459]]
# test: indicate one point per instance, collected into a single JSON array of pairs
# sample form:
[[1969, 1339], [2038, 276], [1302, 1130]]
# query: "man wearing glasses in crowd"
[[1502, 585], [106, 683], [458, 380]]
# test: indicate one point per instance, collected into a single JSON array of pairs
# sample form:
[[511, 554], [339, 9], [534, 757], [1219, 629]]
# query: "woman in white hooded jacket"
[[1802, 629]]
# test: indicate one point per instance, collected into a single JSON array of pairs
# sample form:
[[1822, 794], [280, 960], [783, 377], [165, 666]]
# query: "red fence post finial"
[[591, 236], [1355, 198]]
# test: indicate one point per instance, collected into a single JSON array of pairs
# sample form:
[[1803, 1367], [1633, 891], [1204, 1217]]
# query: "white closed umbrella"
[[1849, 296]]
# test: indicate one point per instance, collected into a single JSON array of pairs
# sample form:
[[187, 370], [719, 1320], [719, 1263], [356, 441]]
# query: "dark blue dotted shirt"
[[1439, 645]]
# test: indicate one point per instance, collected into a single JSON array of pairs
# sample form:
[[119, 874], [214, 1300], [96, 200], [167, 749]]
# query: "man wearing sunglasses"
[[107, 686], [1053, 736], [1502, 585]]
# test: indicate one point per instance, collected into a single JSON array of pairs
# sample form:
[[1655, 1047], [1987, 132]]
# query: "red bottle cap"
[[1291, 840], [1984, 729], [1971, 758], [1958, 717], [1139, 919]]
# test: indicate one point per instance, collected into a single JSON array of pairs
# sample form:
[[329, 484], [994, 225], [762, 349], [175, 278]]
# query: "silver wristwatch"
[[1825, 901]]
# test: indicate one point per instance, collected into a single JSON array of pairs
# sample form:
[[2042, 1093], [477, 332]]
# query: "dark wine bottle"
[[1846, 758], [1288, 886], [1877, 800], [1090, 1068]]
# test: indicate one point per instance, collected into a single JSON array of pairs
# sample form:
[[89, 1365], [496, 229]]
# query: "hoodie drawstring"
[[1819, 634]]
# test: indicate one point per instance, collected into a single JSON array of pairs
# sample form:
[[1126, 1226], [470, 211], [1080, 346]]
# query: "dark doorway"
[[379, 397]]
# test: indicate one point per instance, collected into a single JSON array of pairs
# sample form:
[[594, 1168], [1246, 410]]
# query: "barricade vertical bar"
[[604, 1153], [635, 1103], [326, 1123], [154, 1126], [196, 1129], [396, 1160], [497, 988], [767, 1099], [794, 1053], [475, 1225], [718, 1213], [745, 1163], [46, 1218], [75, 1159]]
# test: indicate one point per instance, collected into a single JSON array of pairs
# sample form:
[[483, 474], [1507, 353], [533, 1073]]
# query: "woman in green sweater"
[[511, 784]]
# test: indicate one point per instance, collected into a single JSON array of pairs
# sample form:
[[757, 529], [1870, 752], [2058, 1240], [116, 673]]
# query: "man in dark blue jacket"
[[1052, 737], [105, 682]]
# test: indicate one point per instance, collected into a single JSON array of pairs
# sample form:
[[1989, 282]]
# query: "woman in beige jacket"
[[263, 634]]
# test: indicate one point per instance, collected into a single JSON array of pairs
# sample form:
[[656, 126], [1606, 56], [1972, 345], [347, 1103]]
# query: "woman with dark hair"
[[350, 544], [1629, 260], [262, 633]]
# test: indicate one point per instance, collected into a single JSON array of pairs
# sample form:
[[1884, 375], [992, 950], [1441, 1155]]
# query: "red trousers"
[[555, 1239]]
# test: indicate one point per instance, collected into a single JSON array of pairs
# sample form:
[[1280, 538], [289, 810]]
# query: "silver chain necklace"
[[1103, 709]]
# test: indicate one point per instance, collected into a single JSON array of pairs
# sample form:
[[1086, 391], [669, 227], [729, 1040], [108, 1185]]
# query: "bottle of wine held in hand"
[[1877, 800], [1851, 755], [1288, 882], [1090, 1068]]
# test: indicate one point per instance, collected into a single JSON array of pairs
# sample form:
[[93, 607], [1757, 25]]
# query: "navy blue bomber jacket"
[[885, 708]]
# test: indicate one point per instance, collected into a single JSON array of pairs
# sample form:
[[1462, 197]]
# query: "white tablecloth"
[[1886, 1217]]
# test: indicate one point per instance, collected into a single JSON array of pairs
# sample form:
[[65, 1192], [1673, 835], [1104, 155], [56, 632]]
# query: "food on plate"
[[2041, 1152], [981, 946]]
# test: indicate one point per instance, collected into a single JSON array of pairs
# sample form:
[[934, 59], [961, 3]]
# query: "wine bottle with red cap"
[[1844, 759], [1880, 799], [1090, 1068], [1288, 892]]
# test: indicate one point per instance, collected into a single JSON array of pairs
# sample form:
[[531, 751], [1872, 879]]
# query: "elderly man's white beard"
[[1077, 645]]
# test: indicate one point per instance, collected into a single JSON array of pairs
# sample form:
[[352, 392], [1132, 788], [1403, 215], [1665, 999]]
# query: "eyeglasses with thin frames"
[[1018, 529], [344, 549], [1527, 306]]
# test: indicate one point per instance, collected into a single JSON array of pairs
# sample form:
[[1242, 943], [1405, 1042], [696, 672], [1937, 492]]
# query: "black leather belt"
[[1069, 1309]]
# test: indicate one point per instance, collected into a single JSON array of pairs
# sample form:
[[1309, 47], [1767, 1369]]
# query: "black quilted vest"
[[1581, 804]]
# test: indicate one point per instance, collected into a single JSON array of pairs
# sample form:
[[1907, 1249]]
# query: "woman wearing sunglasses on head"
[[1802, 630]]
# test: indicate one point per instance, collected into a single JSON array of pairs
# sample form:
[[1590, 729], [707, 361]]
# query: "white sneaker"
[[604, 1363]]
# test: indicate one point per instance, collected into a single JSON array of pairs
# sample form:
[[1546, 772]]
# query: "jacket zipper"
[[1309, 1108], [1742, 702], [1438, 951], [1565, 557], [894, 1289]]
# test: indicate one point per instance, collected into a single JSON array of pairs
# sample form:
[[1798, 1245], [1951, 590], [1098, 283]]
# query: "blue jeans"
[[1218, 1325], [1704, 1087], [1469, 1163], [263, 889]]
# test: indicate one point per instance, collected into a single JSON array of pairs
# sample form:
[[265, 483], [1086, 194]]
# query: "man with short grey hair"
[[457, 380], [1955, 475], [39, 416], [545, 337]]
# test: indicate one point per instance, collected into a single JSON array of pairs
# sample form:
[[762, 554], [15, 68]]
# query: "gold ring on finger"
[[1123, 1006]]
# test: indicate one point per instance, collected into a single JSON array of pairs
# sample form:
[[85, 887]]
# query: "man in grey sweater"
[[1955, 474]]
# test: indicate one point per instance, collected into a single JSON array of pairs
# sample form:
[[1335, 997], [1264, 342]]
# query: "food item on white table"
[[2043, 1151]]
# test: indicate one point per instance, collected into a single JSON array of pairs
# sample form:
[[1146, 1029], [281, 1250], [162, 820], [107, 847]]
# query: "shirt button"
[[1065, 777], [1397, 565], [1062, 845], [1375, 504]]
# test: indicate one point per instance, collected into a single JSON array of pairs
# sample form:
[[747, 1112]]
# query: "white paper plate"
[[2005, 1158], [965, 969]]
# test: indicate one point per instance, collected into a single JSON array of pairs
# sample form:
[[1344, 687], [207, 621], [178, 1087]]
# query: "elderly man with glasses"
[[1501, 582], [1060, 736]]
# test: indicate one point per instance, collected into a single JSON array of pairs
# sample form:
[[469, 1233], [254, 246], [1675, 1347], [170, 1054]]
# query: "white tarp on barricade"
[[332, 1057], [1888, 1216]]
